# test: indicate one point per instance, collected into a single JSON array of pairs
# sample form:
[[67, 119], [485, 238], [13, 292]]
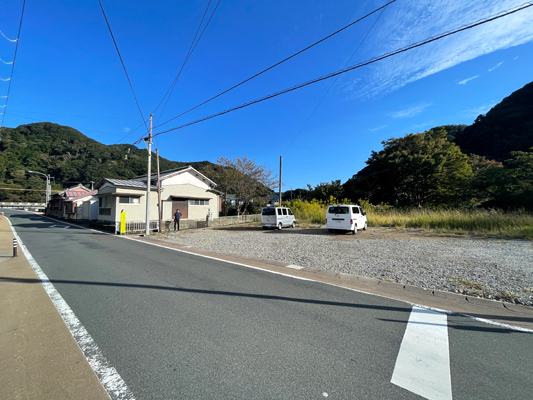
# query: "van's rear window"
[[339, 210], [269, 211]]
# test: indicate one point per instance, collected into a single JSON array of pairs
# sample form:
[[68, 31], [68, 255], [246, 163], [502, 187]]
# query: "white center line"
[[423, 363]]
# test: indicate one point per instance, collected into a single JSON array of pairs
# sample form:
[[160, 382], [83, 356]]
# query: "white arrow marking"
[[423, 363]]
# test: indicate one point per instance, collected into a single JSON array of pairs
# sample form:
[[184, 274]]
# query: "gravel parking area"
[[489, 268]]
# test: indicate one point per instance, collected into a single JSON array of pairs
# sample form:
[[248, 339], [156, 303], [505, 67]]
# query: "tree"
[[510, 187], [418, 169], [244, 178], [324, 190]]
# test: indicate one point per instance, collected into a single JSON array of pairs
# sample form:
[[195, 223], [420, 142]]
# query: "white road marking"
[[423, 363], [294, 266], [109, 377]]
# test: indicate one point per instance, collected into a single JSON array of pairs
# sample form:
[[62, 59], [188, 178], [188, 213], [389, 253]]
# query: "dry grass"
[[495, 224], [484, 223]]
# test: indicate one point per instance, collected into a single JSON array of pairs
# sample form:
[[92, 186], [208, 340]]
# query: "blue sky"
[[67, 71]]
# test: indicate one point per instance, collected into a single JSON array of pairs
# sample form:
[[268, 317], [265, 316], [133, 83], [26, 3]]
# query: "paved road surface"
[[176, 325]]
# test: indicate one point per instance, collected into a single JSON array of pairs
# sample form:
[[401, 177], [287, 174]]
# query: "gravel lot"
[[490, 268]]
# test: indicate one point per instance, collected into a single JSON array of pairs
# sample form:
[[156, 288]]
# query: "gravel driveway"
[[490, 268]]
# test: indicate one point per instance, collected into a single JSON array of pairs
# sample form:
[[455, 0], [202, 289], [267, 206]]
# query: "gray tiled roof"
[[163, 174], [121, 182], [128, 183]]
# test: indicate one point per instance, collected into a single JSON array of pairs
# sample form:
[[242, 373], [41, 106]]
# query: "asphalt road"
[[176, 325]]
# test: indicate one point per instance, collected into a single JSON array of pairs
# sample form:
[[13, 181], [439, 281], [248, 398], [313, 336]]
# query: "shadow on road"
[[406, 309]]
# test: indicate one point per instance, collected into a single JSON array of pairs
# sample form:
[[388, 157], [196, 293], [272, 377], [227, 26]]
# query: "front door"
[[183, 205]]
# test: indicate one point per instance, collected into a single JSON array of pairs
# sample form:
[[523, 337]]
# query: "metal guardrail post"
[[15, 246]]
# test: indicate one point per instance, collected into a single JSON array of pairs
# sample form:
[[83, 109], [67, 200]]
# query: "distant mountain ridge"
[[507, 127], [70, 156]]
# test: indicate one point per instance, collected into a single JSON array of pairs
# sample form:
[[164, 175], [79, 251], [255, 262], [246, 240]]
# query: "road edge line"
[[108, 376]]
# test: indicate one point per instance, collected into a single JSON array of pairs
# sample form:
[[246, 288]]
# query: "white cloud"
[[126, 130], [424, 126], [411, 21], [410, 111], [483, 109], [378, 128], [464, 81], [496, 66]]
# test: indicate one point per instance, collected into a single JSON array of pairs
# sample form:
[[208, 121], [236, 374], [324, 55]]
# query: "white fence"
[[235, 220], [139, 226]]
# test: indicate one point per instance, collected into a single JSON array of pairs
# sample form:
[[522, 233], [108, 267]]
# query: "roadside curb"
[[40, 357]]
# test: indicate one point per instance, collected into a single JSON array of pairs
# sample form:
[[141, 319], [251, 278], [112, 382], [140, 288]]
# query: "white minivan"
[[345, 217], [277, 217]]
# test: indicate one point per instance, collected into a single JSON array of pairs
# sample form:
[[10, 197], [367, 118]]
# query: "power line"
[[278, 63], [130, 133], [14, 59], [11, 40], [362, 64], [186, 56], [122, 62], [192, 47], [334, 81]]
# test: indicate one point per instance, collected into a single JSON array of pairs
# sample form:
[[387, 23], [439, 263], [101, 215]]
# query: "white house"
[[184, 188], [77, 202]]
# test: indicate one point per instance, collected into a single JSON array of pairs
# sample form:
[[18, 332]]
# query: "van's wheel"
[[364, 227], [264, 228], [293, 224], [354, 229], [280, 225]]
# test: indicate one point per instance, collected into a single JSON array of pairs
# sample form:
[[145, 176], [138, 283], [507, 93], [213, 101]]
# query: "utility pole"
[[48, 190], [158, 191], [148, 180], [280, 181]]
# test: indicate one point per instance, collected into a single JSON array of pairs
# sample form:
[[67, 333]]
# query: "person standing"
[[177, 216]]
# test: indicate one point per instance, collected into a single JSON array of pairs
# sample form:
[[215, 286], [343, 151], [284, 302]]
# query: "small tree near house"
[[244, 178]]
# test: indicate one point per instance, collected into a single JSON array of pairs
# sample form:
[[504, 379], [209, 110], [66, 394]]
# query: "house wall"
[[136, 212], [189, 186], [84, 207]]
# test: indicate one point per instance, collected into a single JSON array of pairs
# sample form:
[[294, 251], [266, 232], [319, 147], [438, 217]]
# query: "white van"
[[277, 217], [345, 217]]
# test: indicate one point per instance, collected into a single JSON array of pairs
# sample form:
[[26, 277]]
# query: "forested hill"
[[69, 156], [507, 127]]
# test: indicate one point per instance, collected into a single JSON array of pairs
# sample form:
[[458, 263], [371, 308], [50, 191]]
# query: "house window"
[[105, 201], [198, 202], [129, 200], [104, 205]]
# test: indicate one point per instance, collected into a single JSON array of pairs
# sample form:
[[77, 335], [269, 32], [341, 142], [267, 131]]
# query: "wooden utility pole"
[[148, 180], [158, 191], [280, 181]]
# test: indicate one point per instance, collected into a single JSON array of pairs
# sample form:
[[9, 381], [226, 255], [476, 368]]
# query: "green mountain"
[[507, 127], [69, 157], [504, 134]]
